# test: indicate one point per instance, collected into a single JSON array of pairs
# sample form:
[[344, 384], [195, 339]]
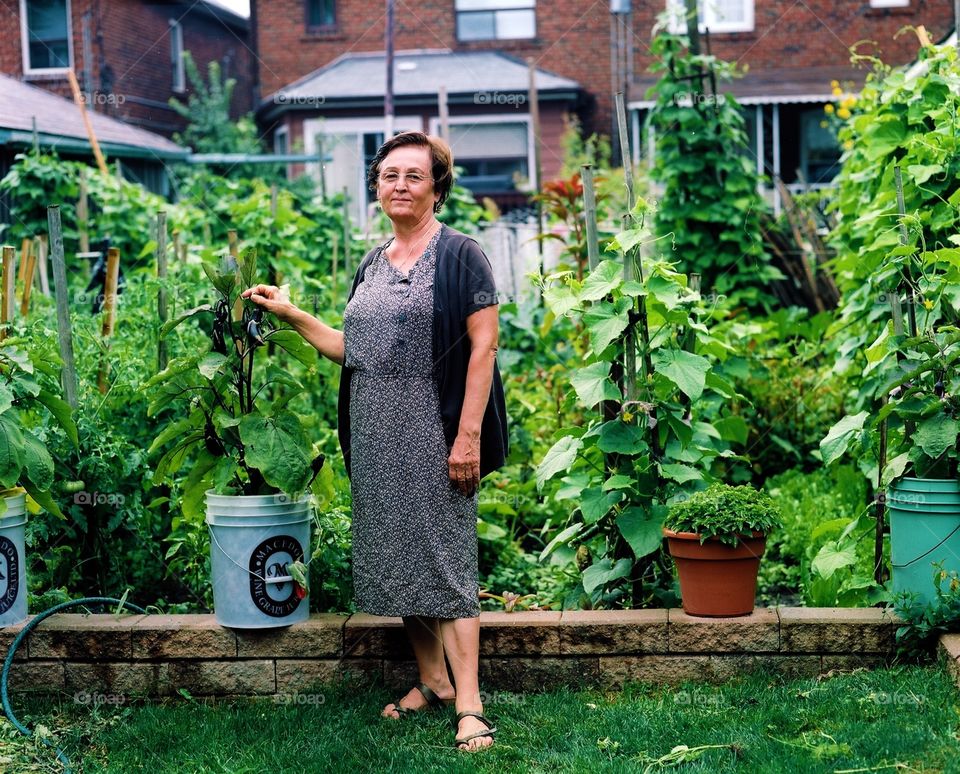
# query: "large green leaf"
[[937, 434], [595, 503], [558, 459], [561, 299], [838, 439], [173, 322], [642, 528], [37, 463], [606, 322], [175, 430], [562, 537], [592, 384], [62, 412], [293, 343], [831, 558], [279, 449], [685, 369], [604, 571], [602, 280], [6, 397], [617, 436], [211, 364], [11, 451]]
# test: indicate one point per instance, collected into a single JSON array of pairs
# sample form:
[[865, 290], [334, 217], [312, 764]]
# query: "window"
[[176, 56], [321, 13], [889, 3], [819, 152], [494, 156], [496, 19], [45, 33], [715, 15]]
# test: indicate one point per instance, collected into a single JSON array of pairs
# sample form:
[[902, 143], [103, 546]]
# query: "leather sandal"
[[479, 716], [433, 701]]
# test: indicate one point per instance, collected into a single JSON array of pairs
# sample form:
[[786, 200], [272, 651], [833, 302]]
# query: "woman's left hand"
[[464, 463]]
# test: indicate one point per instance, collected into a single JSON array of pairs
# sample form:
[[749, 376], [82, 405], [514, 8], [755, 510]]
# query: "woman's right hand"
[[275, 300]]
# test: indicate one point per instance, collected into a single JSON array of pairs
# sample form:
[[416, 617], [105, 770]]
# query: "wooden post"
[[162, 291], [9, 288], [625, 149], [346, 235], [590, 217], [24, 252], [40, 250], [334, 258], [443, 111], [28, 280], [176, 245], [64, 333], [78, 101], [535, 130], [109, 312], [83, 212]]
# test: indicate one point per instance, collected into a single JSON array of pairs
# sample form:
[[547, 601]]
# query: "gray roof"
[[59, 123], [360, 79]]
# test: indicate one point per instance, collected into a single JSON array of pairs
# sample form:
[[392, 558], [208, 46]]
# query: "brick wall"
[[130, 45], [156, 655]]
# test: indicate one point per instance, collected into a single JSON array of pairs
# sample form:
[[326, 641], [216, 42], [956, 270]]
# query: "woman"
[[421, 421]]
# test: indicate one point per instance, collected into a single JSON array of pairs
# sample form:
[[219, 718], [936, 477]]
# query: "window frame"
[[319, 27], [495, 7], [889, 3], [28, 69], [178, 75], [676, 10], [496, 118]]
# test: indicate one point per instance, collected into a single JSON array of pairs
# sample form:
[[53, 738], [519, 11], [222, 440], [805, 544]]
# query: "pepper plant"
[[237, 431]]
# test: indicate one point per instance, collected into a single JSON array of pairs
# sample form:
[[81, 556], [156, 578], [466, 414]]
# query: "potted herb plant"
[[251, 462], [716, 538], [29, 388]]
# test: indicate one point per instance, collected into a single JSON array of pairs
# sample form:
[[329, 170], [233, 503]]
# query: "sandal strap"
[[465, 739], [432, 699], [470, 714]]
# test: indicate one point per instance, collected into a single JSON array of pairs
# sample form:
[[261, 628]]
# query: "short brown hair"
[[440, 153]]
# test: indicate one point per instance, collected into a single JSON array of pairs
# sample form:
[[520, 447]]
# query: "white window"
[[496, 19], [715, 15], [45, 33], [889, 3], [176, 56], [495, 152]]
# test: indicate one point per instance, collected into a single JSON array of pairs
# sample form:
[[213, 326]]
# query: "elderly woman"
[[421, 421]]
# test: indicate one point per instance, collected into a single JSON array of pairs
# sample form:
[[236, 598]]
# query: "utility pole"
[[388, 92]]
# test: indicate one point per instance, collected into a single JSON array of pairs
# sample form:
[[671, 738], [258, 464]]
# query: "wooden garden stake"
[[334, 258], [590, 216], [346, 234], [9, 289], [234, 249], [28, 273], [78, 101], [40, 249], [162, 291], [625, 149], [64, 333], [176, 245], [904, 239], [24, 252], [83, 213], [109, 311]]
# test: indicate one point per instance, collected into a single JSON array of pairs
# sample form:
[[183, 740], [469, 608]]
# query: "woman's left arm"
[[483, 331]]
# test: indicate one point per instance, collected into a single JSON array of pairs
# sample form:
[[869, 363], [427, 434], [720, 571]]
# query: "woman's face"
[[405, 185]]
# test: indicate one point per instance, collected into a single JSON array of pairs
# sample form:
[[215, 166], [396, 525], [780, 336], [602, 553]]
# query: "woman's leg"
[[424, 635], [461, 638]]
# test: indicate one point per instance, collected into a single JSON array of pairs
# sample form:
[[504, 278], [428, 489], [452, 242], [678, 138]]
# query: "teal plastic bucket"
[[924, 530], [253, 539], [13, 566]]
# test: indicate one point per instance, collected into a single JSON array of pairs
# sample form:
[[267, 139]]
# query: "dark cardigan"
[[463, 283]]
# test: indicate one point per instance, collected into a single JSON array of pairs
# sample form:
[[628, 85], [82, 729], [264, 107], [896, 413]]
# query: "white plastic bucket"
[[253, 539], [13, 566]]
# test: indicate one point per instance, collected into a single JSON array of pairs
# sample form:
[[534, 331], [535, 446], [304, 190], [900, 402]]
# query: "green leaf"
[[211, 364], [838, 439], [937, 434], [895, 467], [592, 384], [830, 558], [602, 280], [617, 436], [174, 430], [11, 452], [604, 571], [279, 449], [559, 458], [37, 464], [666, 291], [618, 481], [606, 322], [564, 536], [561, 299], [62, 413], [6, 398], [921, 173], [684, 369], [595, 503], [172, 323], [680, 473], [732, 428], [293, 343], [44, 500], [642, 529]]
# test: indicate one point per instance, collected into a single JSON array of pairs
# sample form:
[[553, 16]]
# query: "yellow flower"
[[848, 144], [837, 91], [849, 102], [927, 303], [828, 108], [835, 84], [844, 113]]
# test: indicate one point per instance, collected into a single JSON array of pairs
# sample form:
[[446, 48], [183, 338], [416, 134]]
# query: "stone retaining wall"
[[155, 655]]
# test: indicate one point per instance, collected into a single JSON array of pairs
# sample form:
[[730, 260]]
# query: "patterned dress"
[[414, 533]]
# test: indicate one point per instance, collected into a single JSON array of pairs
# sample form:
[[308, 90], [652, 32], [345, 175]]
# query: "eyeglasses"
[[412, 178]]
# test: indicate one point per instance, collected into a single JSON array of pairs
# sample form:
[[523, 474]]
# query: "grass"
[[902, 718]]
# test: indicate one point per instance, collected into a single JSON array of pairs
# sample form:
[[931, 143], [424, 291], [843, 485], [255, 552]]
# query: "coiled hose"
[[7, 709]]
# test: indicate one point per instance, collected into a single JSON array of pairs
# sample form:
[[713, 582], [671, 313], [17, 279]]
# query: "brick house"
[[126, 53], [793, 51]]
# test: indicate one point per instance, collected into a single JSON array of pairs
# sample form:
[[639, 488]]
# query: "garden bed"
[[158, 655]]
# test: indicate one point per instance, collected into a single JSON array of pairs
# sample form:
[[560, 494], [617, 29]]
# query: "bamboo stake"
[[78, 101], [40, 249], [234, 248], [109, 313], [162, 291], [9, 288], [176, 245], [27, 282], [24, 252], [625, 149], [83, 212], [64, 333], [590, 217]]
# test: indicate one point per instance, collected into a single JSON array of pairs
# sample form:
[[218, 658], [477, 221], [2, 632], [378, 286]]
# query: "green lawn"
[[864, 721]]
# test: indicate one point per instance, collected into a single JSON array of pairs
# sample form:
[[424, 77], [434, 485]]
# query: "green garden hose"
[[7, 709]]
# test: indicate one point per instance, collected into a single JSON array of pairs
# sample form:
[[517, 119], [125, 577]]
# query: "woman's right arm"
[[328, 341]]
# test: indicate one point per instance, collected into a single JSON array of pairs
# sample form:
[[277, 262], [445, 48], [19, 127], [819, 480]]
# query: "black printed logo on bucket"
[[9, 574], [269, 560]]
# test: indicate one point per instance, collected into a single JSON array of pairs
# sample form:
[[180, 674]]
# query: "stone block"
[[78, 636], [218, 678], [532, 675], [844, 630], [301, 675], [832, 662], [949, 648], [758, 632], [525, 633], [182, 636], [610, 632], [732, 666], [374, 636], [36, 677], [319, 637], [9, 633], [111, 683], [653, 669]]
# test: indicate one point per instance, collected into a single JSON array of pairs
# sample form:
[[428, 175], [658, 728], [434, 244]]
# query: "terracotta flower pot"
[[716, 579]]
